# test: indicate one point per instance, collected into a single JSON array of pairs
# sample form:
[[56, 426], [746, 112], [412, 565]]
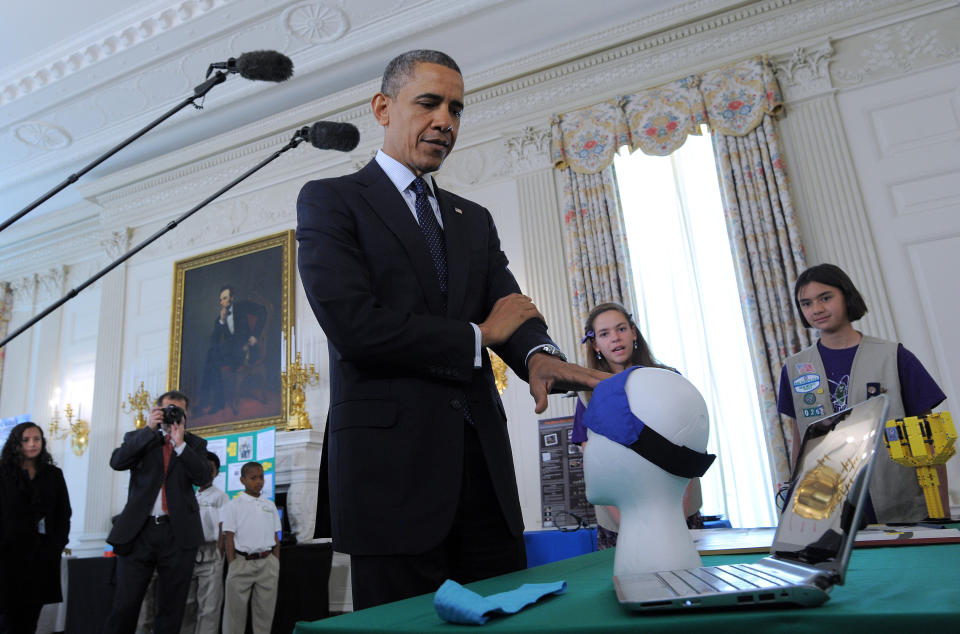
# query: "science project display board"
[[234, 450], [562, 491]]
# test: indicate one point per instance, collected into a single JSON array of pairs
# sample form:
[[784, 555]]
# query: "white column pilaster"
[[827, 195], [545, 267], [105, 416]]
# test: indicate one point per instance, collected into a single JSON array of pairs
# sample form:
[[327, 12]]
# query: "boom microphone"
[[258, 65], [331, 135]]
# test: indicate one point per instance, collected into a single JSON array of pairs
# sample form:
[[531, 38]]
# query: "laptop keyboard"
[[721, 579]]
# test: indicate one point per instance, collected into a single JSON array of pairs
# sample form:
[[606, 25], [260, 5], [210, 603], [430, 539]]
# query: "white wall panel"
[[904, 134]]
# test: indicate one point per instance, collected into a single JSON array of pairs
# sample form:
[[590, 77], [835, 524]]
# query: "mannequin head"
[[653, 533]]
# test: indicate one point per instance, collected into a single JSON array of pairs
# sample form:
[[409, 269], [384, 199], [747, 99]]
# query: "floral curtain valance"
[[732, 100]]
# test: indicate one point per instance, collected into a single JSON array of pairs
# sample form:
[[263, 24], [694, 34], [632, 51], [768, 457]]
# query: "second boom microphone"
[[332, 135]]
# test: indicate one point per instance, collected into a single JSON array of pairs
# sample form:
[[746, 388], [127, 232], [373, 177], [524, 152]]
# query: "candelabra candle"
[[297, 377]]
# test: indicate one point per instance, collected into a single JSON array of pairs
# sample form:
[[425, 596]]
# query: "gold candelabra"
[[78, 430], [138, 402], [294, 380]]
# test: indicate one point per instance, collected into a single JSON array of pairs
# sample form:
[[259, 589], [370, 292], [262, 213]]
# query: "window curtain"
[[738, 102], [595, 238], [6, 310]]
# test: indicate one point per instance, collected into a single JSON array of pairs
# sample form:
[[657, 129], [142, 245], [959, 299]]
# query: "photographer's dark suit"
[[141, 542]]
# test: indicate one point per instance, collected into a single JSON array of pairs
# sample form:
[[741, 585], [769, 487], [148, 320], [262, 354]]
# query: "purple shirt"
[[918, 391]]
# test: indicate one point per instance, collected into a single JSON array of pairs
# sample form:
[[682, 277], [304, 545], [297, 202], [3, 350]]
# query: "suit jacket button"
[[455, 404]]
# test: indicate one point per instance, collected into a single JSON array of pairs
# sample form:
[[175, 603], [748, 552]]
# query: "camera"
[[173, 414]]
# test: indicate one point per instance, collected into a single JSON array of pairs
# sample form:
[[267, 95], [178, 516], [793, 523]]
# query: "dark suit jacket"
[[142, 453], [401, 369]]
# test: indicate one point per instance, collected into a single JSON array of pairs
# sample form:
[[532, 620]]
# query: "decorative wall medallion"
[[465, 167], [45, 136], [316, 23]]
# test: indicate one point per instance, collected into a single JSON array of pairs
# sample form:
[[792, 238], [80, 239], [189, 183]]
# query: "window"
[[689, 312]]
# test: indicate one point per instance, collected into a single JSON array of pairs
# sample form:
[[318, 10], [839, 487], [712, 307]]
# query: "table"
[[903, 588]]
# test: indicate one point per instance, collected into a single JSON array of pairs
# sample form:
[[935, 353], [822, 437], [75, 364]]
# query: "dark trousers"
[[22, 615], [154, 548], [478, 546]]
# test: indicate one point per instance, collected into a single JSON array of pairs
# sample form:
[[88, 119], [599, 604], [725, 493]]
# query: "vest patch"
[[809, 398], [804, 368], [806, 383], [810, 412]]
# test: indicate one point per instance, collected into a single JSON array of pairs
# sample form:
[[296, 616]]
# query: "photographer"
[[159, 527]]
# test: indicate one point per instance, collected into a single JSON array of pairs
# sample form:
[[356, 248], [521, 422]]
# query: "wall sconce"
[[138, 402], [78, 430]]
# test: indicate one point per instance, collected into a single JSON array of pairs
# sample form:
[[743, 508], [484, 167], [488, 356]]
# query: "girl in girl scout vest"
[[845, 367]]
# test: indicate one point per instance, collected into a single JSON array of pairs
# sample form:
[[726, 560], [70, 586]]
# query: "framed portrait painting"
[[229, 334]]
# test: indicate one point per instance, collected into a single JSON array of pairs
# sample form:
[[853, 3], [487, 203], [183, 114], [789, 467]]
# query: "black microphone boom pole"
[[299, 136], [262, 65]]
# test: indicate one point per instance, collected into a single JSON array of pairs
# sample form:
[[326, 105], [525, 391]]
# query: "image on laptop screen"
[[827, 485]]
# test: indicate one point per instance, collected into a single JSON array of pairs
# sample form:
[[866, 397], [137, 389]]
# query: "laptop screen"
[[828, 488]]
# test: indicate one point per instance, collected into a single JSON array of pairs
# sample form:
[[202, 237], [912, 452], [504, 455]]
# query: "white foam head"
[[653, 532]]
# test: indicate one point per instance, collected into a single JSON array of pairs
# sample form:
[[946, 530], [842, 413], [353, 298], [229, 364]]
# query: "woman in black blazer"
[[34, 528]]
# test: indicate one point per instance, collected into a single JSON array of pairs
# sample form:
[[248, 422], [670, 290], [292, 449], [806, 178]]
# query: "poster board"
[[7, 425], [241, 447], [562, 490]]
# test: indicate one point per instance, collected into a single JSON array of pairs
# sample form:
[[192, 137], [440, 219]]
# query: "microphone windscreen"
[[331, 135], [265, 66]]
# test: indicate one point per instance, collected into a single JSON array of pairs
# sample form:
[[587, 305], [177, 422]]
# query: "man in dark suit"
[[410, 285], [159, 527], [234, 341]]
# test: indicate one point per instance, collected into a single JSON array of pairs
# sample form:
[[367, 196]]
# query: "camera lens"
[[172, 414]]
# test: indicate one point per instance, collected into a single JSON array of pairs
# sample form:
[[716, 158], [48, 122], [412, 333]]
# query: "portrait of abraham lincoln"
[[230, 315]]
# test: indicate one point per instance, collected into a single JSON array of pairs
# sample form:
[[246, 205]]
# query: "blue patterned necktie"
[[432, 233], [438, 252]]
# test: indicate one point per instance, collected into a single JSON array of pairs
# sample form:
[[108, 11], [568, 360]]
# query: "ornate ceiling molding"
[[96, 107], [73, 243], [899, 48], [20, 81], [504, 132]]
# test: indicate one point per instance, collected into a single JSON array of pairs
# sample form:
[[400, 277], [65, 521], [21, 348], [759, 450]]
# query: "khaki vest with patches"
[[896, 494]]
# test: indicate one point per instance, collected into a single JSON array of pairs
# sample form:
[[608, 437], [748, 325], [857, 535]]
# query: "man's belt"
[[249, 556]]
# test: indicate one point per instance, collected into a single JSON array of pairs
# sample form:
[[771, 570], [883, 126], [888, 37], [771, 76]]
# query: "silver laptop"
[[814, 538]]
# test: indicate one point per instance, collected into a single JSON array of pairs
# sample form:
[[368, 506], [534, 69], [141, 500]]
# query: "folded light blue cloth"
[[456, 604]]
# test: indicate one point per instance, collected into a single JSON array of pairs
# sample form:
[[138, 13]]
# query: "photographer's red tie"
[[167, 452]]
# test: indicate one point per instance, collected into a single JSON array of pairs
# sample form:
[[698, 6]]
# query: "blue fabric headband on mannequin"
[[609, 415]]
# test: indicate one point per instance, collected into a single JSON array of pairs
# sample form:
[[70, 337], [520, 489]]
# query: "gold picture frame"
[[230, 334]]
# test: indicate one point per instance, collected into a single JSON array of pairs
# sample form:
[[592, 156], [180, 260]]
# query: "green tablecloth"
[[903, 588]]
